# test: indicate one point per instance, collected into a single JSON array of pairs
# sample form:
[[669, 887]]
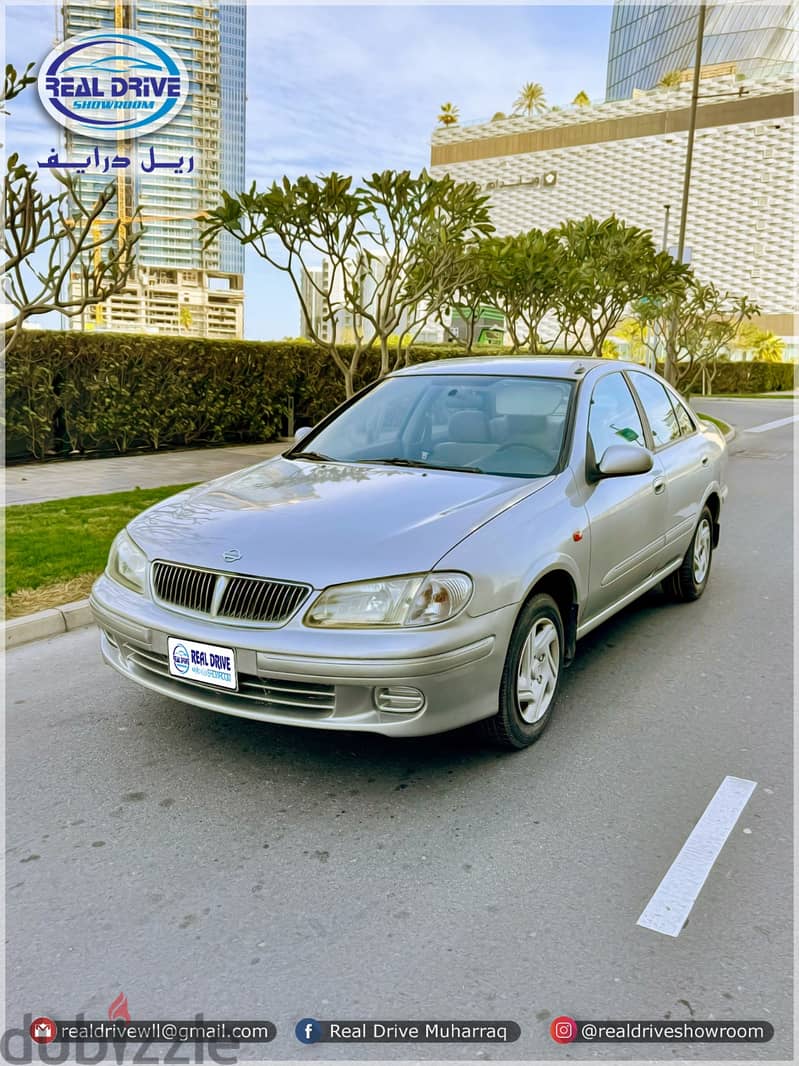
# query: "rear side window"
[[613, 418], [660, 414], [684, 417]]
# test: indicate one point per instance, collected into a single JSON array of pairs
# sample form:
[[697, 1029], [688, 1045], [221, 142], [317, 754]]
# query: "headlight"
[[127, 564], [410, 600]]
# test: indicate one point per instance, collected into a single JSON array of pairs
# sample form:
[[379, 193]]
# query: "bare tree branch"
[[59, 253]]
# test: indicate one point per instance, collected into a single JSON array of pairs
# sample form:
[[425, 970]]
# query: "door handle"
[[705, 460], [659, 486]]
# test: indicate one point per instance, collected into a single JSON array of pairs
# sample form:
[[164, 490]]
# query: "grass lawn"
[[749, 396], [55, 550]]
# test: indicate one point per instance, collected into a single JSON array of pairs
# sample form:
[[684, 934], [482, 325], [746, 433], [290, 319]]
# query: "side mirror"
[[303, 431], [621, 460]]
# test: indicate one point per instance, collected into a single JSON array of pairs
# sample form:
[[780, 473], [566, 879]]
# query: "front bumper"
[[321, 679]]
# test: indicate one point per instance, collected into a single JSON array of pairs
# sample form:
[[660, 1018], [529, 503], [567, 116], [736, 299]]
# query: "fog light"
[[399, 699]]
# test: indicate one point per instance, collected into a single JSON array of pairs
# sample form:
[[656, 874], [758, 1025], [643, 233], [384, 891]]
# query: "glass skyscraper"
[[649, 40], [179, 285]]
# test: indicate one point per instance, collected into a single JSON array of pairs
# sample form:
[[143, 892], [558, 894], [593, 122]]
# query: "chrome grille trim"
[[270, 693], [184, 586], [228, 597], [309, 696], [261, 600]]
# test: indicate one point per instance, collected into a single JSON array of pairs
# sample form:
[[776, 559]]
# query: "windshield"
[[511, 426]]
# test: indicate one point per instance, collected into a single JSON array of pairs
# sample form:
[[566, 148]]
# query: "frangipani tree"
[[606, 267], [526, 269], [694, 328], [59, 251], [393, 248]]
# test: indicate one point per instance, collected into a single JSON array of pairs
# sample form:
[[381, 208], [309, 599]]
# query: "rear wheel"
[[530, 676], [689, 582]]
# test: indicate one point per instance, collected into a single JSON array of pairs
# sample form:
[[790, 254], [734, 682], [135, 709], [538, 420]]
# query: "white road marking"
[[668, 910], [772, 425]]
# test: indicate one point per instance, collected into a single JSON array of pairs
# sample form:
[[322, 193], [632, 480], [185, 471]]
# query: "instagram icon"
[[563, 1029]]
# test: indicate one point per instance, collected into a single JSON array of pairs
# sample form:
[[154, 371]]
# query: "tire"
[[519, 723], [690, 580]]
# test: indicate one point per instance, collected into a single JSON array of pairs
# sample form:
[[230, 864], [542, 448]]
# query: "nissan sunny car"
[[426, 557]]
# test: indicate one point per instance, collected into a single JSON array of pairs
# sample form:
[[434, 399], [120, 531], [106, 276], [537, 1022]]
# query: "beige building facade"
[[627, 158]]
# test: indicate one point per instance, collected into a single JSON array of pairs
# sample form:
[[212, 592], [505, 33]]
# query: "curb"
[[729, 435], [49, 623]]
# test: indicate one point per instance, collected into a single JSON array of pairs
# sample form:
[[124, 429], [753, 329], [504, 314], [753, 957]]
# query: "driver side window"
[[613, 417]]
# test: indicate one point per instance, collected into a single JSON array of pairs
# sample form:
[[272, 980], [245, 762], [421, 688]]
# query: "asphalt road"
[[202, 863]]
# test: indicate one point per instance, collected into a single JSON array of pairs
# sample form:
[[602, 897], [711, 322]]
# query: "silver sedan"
[[426, 557]]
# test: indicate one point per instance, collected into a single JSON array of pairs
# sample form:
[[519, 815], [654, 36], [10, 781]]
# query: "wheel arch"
[[558, 583], [713, 502]]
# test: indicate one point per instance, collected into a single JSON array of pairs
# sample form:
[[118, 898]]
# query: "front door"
[[628, 515]]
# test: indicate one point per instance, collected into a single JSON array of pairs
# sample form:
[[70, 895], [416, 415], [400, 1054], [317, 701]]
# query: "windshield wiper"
[[421, 463], [315, 457]]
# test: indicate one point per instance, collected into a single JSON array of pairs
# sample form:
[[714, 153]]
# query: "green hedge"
[[110, 393], [753, 377]]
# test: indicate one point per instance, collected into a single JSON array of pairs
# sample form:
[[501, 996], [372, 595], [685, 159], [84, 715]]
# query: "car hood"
[[325, 523]]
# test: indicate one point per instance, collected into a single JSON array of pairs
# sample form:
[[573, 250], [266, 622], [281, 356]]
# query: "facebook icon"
[[308, 1030]]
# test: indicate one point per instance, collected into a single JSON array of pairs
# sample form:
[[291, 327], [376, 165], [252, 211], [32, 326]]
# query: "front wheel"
[[689, 581], [530, 676]]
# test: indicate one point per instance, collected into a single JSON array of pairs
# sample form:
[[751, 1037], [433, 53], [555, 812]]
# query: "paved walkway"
[[35, 482]]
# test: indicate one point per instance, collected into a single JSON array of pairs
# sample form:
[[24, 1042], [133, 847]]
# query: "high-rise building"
[[324, 279], [449, 326], [650, 40], [179, 285]]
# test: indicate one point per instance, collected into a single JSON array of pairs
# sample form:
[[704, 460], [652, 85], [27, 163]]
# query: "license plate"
[[206, 663]]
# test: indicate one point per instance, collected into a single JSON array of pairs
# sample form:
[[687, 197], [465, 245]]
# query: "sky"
[[357, 90]]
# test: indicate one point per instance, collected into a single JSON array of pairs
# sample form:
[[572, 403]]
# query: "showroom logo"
[[104, 84], [180, 657]]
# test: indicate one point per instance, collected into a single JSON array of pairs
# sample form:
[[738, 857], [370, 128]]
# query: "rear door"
[[683, 453], [628, 515]]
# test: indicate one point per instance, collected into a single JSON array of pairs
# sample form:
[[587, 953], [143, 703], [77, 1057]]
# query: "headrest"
[[468, 427]]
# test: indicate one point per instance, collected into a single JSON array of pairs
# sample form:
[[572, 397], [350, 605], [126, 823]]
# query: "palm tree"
[[449, 115], [582, 99], [531, 99], [498, 116], [672, 79]]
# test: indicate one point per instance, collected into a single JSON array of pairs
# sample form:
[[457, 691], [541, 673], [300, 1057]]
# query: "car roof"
[[515, 366]]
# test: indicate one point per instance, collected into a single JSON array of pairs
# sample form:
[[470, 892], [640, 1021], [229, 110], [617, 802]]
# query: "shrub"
[[114, 392], [753, 377], [110, 393]]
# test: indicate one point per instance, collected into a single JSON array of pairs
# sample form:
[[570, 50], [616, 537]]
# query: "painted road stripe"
[[772, 425], [676, 894]]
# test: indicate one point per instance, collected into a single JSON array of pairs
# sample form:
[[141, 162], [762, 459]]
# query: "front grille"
[[184, 587], [261, 601], [247, 599], [269, 693]]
